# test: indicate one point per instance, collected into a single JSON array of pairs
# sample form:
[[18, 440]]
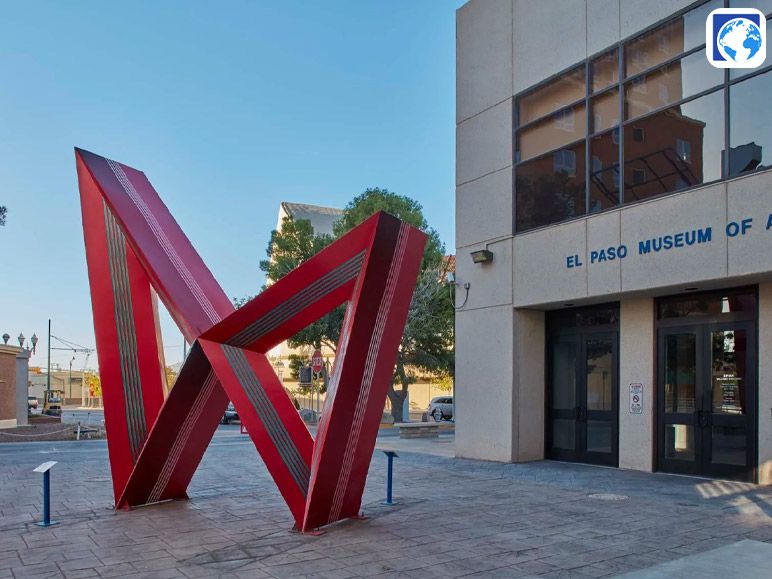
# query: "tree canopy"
[[427, 343], [3, 213]]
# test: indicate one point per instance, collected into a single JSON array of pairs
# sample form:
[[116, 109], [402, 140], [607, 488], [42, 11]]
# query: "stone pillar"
[[22, 391], [764, 411], [637, 350]]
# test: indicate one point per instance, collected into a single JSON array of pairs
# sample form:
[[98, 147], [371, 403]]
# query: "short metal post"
[[45, 468], [390, 454], [78, 436]]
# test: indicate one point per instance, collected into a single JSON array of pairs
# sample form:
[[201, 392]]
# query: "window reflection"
[[604, 110], [655, 148], [764, 6], [557, 94], [604, 172], [728, 371], [680, 372], [604, 71], [706, 304], [751, 127], [551, 188], [552, 133], [669, 40], [670, 83]]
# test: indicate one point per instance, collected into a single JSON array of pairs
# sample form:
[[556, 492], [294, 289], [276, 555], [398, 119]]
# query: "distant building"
[[321, 219]]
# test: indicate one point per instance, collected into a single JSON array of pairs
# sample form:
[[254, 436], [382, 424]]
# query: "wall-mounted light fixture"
[[482, 256]]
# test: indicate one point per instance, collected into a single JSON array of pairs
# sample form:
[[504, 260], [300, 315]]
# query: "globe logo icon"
[[739, 40]]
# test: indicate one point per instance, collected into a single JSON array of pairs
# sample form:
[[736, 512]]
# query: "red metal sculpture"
[[137, 252]]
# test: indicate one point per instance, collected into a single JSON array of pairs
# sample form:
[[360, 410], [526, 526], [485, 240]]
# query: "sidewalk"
[[454, 518]]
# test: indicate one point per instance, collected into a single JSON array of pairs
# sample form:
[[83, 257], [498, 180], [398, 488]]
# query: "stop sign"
[[316, 361]]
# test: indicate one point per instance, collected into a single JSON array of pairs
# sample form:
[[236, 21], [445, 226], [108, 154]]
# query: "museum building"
[[615, 190]]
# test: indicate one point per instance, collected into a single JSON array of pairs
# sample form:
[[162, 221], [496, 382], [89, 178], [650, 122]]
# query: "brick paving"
[[456, 518]]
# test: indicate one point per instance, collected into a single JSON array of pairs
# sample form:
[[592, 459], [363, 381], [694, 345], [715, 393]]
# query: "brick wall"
[[8, 382]]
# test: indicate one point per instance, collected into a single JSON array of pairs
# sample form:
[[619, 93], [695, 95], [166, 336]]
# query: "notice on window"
[[636, 398]]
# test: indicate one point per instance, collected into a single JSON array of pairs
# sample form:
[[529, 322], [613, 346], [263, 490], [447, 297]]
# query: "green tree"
[[3, 213], [427, 342], [296, 243], [293, 245], [402, 207]]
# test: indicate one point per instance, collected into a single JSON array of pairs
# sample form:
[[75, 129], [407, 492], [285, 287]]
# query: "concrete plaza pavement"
[[454, 518]]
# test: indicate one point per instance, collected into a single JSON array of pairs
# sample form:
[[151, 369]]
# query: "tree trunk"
[[397, 398]]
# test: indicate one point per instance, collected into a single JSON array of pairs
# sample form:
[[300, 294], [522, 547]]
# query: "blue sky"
[[229, 108]]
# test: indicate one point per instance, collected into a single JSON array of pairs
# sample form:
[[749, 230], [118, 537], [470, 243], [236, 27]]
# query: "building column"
[[500, 384], [636, 365], [764, 411]]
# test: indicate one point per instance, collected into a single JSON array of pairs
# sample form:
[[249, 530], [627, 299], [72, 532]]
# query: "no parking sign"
[[636, 398]]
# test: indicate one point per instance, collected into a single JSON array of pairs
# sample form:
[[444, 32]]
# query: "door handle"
[[704, 419], [581, 413]]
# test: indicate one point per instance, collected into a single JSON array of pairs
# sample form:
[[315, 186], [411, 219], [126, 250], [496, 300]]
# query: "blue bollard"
[[391, 454], [45, 468]]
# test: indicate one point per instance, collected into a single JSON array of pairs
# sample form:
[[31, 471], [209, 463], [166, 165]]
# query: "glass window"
[[670, 83], [558, 320], [650, 146], [546, 192], [750, 136], [604, 71], [684, 150], [552, 96], [605, 110], [599, 371], [565, 162], [669, 40], [764, 6], [679, 442], [680, 372], [729, 353], [604, 178], [707, 304], [552, 133]]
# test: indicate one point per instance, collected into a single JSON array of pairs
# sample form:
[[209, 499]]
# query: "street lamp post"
[[70, 382]]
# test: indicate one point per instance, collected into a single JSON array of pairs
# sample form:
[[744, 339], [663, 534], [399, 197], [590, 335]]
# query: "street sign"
[[306, 375], [636, 398], [316, 361]]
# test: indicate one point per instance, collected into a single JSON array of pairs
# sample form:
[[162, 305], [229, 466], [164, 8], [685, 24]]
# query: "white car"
[[441, 408]]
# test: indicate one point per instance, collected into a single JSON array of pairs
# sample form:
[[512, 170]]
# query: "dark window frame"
[[619, 86]]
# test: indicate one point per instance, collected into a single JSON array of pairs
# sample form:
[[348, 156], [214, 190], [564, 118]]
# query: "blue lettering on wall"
[[665, 242]]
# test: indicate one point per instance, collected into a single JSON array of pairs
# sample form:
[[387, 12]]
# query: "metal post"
[[48, 376], [390, 454], [318, 388], [45, 468], [46, 498]]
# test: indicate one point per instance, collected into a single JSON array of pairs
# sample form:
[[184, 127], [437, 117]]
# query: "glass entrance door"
[[706, 400], [582, 398]]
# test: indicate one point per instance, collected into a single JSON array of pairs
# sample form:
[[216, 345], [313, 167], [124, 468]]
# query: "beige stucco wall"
[[636, 365], [765, 384]]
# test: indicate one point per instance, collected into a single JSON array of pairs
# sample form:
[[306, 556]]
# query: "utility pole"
[[48, 375]]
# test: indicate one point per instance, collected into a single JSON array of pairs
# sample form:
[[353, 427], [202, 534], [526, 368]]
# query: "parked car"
[[230, 414], [441, 408], [32, 402]]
